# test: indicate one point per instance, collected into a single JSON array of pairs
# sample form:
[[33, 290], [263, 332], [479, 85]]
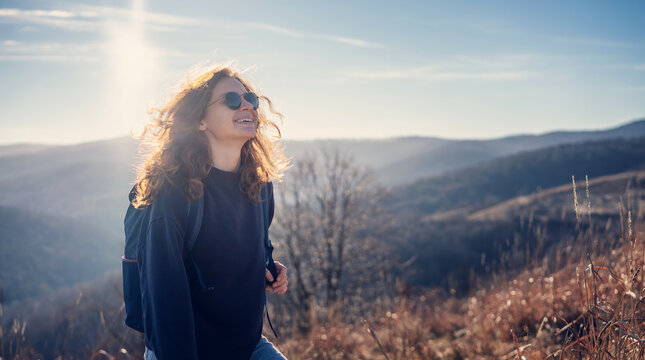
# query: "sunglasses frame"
[[239, 97]]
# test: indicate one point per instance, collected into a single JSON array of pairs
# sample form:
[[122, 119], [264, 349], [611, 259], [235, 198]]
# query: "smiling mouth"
[[244, 121]]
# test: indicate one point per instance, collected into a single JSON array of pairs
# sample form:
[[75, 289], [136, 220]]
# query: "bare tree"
[[327, 224]]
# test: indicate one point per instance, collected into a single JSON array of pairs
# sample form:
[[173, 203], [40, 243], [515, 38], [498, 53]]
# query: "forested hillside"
[[42, 252], [484, 185]]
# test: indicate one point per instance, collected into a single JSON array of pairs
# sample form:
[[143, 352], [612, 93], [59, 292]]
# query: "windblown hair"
[[180, 153]]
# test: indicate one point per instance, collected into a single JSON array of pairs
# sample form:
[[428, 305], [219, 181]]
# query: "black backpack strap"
[[269, 319], [268, 248], [195, 216], [194, 224], [133, 193]]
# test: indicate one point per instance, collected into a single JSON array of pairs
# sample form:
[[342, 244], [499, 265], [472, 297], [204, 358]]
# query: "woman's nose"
[[246, 104]]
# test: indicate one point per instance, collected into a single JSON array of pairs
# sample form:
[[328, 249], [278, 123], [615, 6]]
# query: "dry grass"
[[588, 309], [591, 308]]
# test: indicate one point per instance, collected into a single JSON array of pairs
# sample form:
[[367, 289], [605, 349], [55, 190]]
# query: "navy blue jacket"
[[180, 320]]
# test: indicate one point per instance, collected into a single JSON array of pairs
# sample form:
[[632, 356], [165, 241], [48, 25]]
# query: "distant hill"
[[90, 181], [457, 154], [373, 153], [557, 202], [39, 253], [84, 187], [16, 149], [446, 157], [87, 181], [486, 184], [446, 249]]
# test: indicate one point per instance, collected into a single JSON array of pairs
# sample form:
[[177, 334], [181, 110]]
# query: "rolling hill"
[[557, 202], [447, 249], [90, 181], [65, 202], [42, 252], [456, 154], [487, 184]]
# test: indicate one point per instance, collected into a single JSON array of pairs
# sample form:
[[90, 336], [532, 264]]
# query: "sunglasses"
[[233, 100]]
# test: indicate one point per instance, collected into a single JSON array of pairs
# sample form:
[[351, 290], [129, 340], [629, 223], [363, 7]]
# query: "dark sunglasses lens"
[[233, 100], [252, 99]]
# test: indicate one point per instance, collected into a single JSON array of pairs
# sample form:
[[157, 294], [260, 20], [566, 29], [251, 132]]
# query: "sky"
[[83, 71]]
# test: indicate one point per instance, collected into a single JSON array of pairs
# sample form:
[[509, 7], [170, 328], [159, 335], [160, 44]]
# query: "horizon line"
[[350, 138]]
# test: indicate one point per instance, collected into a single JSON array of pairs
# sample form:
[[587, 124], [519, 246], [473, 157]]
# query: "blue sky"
[[74, 71]]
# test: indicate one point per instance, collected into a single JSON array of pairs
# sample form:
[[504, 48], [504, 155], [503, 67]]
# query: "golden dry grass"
[[588, 309]]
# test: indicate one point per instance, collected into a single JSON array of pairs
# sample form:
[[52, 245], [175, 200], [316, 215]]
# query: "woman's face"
[[227, 125]]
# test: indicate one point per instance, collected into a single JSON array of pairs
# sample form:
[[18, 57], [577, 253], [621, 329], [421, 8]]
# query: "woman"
[[211, 142]]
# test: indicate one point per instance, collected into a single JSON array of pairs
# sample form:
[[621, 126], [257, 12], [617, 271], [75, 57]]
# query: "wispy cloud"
[[629, 88], [148, 18], [305, 35], [48, 58], [517, 60], [597, 42], [629, 67], [83, 18], [49, 51], [441, 75], [501, 67], [76, 21], [12, 50], [474, 23], [41, 13], [87, 17]]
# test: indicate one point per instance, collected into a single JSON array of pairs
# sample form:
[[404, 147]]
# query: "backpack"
[[135, 225]]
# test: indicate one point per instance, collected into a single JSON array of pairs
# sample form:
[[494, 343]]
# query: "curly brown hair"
[[180, 156]]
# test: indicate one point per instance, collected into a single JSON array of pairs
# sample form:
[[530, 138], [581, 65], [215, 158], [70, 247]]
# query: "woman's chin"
[[246, 128], [247, 134]]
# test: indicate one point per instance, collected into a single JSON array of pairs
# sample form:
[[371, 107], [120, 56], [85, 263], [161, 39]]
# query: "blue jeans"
[[264, 350]]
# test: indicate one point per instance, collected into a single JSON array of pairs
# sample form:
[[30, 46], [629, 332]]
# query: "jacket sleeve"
[[271, 202], [167, 307]]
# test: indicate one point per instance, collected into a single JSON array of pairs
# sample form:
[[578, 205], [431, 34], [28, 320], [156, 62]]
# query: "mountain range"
[[62, 207], [489, 183]]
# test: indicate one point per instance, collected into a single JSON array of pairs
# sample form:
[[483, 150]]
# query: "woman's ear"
[[202, 127]]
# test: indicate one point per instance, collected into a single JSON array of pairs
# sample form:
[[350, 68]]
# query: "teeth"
[[243, 120]]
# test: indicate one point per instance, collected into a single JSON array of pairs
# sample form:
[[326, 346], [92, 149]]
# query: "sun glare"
[[133, 68]]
